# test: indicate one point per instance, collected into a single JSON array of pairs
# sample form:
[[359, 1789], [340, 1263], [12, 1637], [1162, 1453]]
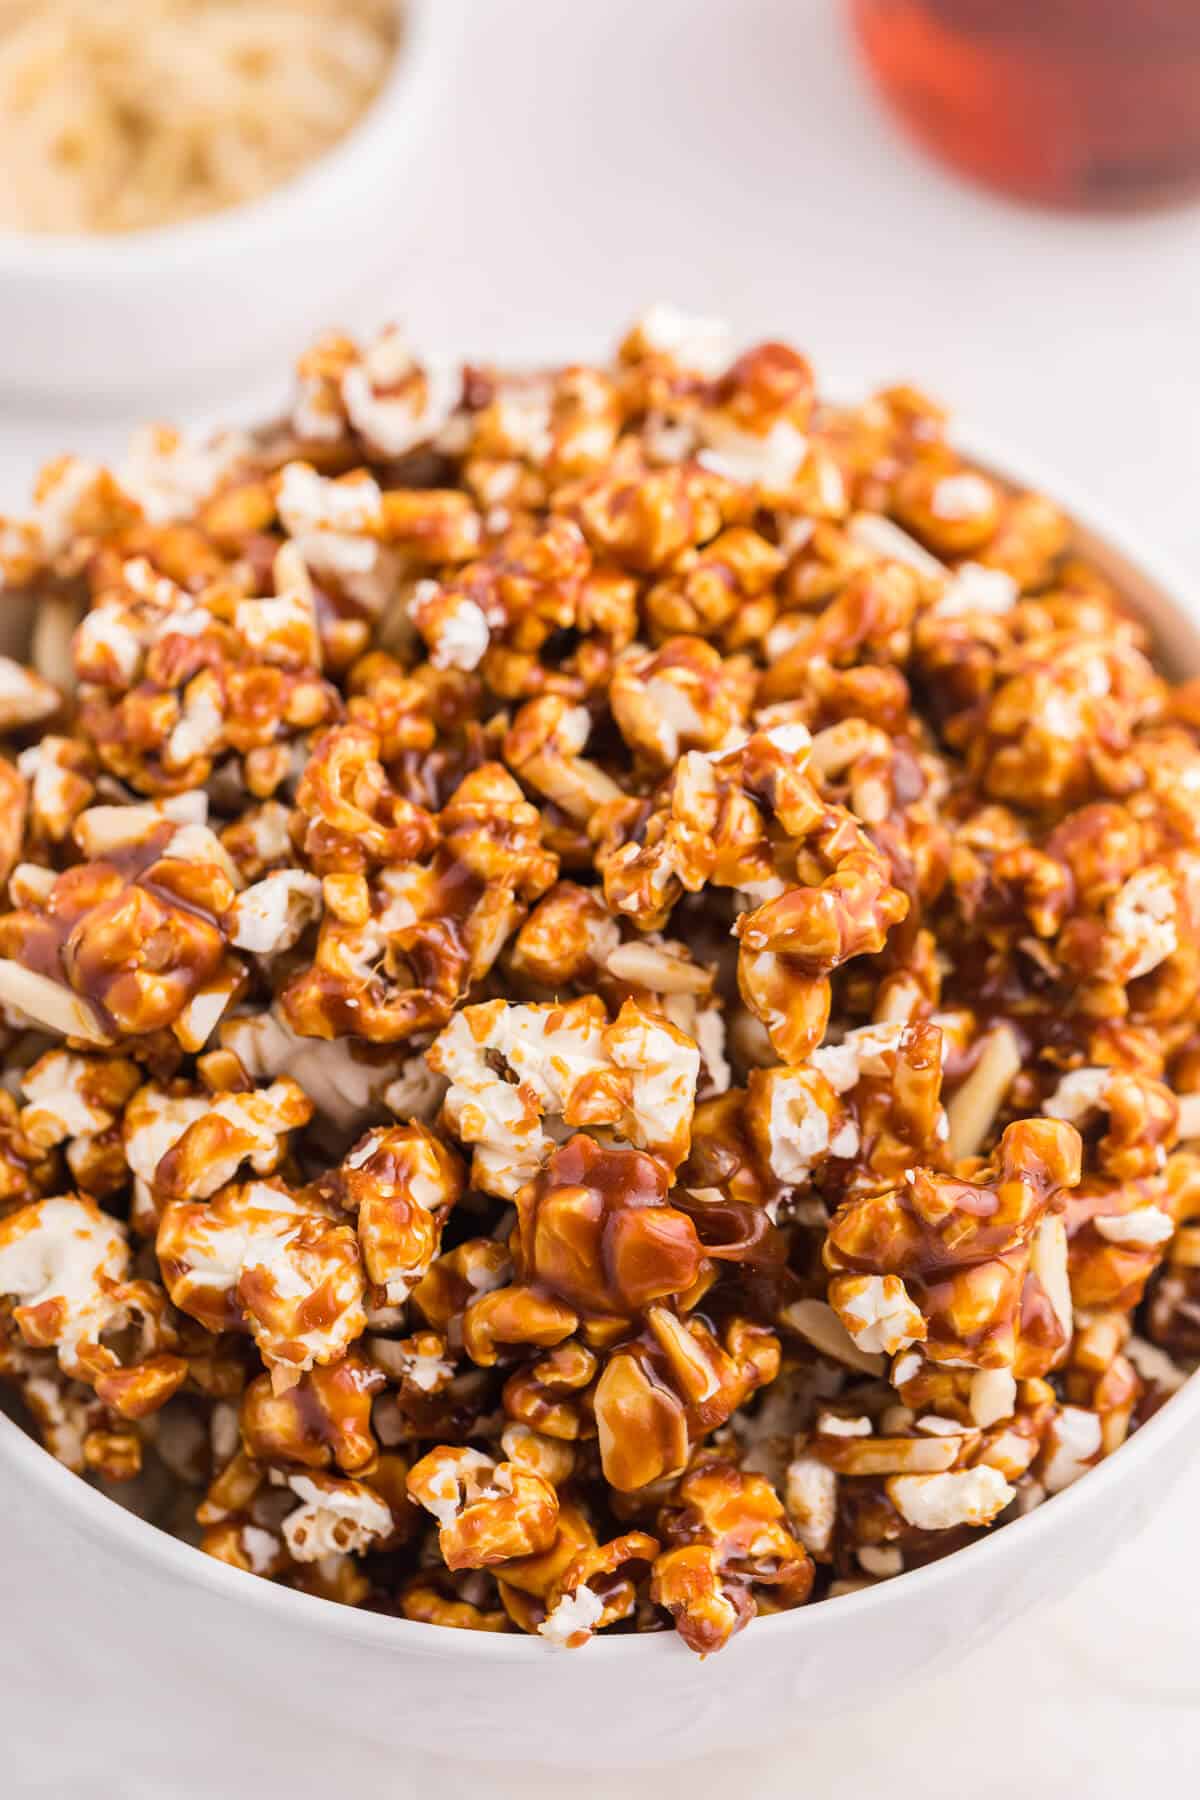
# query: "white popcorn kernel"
[[1146, 1227], [797, 1126], [332, 523], [425, 396], [831, 1424], [103, 636], [309, 502], [572, 1619], [810, 1496], [955, 1497], [906, 1365], [67, 1251], [551, 1050], [456, 631], [974, 588], [524, 417], [420, 1369], [1078, 1093], [260, 1547], [201, 726], [771, 460], [342, 1080], [338, 1516], [993, 1396], [417, 1091], [273, 915], [881, 1316], [58, 1107], [1072, 1445], [704, 345], [864, 1051], [1143, 918], [71, 482], [169, 474], [963, 496], [468, 1477]]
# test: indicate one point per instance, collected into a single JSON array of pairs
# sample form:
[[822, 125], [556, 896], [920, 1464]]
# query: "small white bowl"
[[86, 321], [133, 1613]]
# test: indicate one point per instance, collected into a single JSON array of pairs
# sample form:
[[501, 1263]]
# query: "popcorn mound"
[[601, 991]]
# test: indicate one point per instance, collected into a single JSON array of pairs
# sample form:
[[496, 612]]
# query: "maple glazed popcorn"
[[601, 990]]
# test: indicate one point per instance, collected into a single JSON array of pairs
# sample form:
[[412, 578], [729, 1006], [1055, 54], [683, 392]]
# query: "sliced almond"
[[650, 966], [49, 1004], [820, 1325], [879, 537], [24, 697], [972, 1111], [888, 1456]]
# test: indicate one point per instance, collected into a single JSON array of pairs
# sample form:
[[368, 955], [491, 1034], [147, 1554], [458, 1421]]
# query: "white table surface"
[[589, 156]]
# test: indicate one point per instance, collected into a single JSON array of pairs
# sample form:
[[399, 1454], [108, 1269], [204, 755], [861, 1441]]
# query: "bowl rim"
[[101, 1519], [128, 257]]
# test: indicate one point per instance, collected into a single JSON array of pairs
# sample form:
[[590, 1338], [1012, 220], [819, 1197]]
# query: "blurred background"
[[575, 159], [565, 163]]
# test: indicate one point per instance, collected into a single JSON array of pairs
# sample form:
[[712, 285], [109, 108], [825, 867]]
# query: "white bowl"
[[218, 1645], [89, 320]]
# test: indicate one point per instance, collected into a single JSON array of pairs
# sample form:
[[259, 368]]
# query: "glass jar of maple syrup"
[[1091, 104]]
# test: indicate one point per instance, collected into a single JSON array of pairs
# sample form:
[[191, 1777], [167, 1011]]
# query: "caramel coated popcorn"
[[600, 977]]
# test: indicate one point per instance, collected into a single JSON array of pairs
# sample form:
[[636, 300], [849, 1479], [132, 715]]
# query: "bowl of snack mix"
[[601, 983], [190, 183]]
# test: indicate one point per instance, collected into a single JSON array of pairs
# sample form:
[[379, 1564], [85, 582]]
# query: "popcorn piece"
[[396, 403], [1078, 1093], [1145, 1226], [274, 914], [795, 1116], [453, 626], [232, 1129], [64, 1260], [693, 342], [1143, 921], [572, 1619], [333, 524], [993, 1395], [771, 461], [877, 1312], [255, 1256], [401, 1182], [864, 1051], [957, 1497], [338, 1516], [1071, 1445], [169, 474], [811, 1500], [487, 1512], [73, 1096], [637, 1075]]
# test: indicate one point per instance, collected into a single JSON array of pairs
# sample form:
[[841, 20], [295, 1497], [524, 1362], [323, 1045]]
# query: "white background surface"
[[589, 156]]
